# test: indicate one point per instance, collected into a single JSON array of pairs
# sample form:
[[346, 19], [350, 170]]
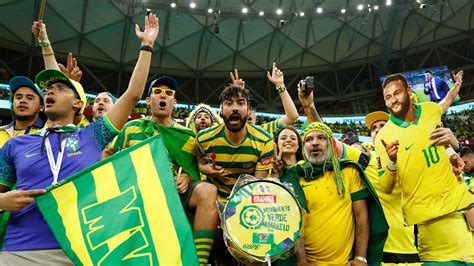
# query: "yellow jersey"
[[329, 227], [133, 133], [9, 131], [272, 127], [401, 239], [429, 187]]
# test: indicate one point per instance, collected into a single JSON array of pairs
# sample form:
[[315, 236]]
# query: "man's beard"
[[403, 111], [234, 128], [320, 160], [26, 117]]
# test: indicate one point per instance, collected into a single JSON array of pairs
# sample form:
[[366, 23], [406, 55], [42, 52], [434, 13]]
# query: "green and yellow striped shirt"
[[272, 127], [134, 132], [255, 152]]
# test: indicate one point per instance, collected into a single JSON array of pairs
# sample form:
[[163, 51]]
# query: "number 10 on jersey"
[[431, 155]]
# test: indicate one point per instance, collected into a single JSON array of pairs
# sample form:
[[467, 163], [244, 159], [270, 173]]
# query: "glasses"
[[60, 89], [159, 91]]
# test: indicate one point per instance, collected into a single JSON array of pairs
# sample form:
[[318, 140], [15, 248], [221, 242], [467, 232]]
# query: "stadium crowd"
[[461, 123], [406, 197]]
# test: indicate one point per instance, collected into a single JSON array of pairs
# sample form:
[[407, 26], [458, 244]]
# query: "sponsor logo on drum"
[[264, 198], [262, 238]]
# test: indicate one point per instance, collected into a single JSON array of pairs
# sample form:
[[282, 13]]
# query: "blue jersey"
[[24, 162]]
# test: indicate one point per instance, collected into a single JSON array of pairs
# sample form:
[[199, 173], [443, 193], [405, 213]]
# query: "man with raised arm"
[[34, 162], [433, 193], [291, 114]]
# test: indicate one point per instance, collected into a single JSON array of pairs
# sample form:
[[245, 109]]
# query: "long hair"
[[299, 153]]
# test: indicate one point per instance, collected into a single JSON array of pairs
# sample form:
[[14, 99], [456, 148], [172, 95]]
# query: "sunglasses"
[[159, 91]]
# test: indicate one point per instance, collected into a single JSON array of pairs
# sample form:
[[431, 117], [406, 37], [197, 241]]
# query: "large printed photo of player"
[[430, 84]]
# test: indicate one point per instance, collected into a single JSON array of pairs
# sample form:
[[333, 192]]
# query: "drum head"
[[262, 217]]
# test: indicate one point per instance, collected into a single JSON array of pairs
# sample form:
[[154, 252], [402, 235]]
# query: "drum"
[[261, 221]]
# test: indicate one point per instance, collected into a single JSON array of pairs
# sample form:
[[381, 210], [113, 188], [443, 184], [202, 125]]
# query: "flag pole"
[[41, 11]]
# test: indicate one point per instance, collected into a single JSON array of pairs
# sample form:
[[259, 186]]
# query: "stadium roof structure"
[[201, 45]]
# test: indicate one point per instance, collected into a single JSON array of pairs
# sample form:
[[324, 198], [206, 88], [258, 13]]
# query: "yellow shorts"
[[445, 238]]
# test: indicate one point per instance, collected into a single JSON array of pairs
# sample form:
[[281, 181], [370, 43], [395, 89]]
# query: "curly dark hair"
[[233, 91]]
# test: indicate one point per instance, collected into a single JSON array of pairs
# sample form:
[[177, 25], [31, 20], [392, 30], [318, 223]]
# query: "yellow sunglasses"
[[159, 91]]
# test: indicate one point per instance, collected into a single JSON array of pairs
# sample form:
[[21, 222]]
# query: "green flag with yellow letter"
[[124, 210]]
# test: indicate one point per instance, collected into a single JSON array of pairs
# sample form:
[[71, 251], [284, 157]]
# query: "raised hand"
[[392, 149], [276, 77], [458, 76], [152, 27], [72, 70], [39, 30], [277, 162], [18, 199], [235, 79], [305, 99]]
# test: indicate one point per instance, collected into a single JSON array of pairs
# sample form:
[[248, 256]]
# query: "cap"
[[373, 117], [21, 81], [165, 80], [50, 76]]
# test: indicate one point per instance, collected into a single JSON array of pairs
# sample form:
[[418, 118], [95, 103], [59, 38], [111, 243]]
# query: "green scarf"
[[378, 223], [175, 138], [148, 127]]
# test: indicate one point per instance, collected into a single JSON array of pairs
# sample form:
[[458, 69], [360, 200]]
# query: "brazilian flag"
[[124, 210]]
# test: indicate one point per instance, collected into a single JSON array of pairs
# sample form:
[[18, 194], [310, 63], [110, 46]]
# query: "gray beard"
[[316, 160]]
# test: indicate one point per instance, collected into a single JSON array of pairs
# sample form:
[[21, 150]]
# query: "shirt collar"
[[39, 123], [402, 123]]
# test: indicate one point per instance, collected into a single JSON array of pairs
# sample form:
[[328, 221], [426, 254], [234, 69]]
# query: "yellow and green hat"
[[50, 76]]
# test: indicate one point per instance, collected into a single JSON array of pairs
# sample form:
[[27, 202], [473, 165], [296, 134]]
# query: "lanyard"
[[55, 165]]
